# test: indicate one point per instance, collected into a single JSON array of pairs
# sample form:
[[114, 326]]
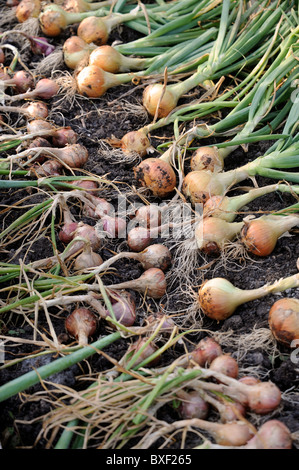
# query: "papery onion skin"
[[151, 96], [91, 82], [76, 52], [206, 158], [37, 125], [93, 30], [216, 300], [64, 136], [258, 238], [206, 351], [271, 435], [157, 175], [106, 57], [284, 320], [52, 23], [150, 349], [233, 434], [23, 81], [48, 168], [124, 308], [263, 397], [87, 259], [139, 238], [67, 232], [28, 9], [75, 156], [232, 411], [156, 256], [46, 88], [249, 380], [37, 110], [149, 216], [199, 186]]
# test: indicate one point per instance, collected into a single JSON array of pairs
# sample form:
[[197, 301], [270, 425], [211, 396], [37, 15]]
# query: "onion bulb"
[[260, 235], [146, 351], [273, 434], [152, 97], [157, 175], [139, 238], [34, 110], [192, 405], [225, 364], [76, 52], [28, 9], [152, 283], [212, 233], [149, 216], [87, 259], [235, 434], [45, 88], [66, 233], [64, 136], [206, 158], [74, 156], [218, 298], [135, 141], [206, 351], [93, 82], [249, 380], [110, 60], [123, 306], [284, 320], [81, 324]]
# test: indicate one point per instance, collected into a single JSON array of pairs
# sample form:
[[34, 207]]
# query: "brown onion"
[[44, 89], [87, 259], [37, 110], [148, 350], [37, 125], [93, 82], [212, 234], [28, 9], [23, 81], [81, 324], [284, 320], [152, 283], [206, 351], [76, 52], [151, 97], [225, 364], [124, 307], [110, 60], [135, 141], [156, 175], [206, 158], [64, 136], [249, 380], [49, 168]]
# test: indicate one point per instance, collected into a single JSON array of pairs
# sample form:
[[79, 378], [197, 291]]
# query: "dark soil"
[[262, 356]]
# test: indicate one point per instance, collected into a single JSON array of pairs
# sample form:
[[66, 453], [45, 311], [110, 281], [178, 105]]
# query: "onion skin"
[[261, 398], [206, 158], [64, 136], [232, 412], [151, 97], [149, 216], [135, 141], [124, 308], [93, 30], [37, 110], [37, 125], [91, 81], [49, 168], [225, 364], [284, 320], [157, 175], [52, 23], [66, 234], [76, 52], [156, 256], [199, 186], [75, 156], [150, 349], [107, 58], [212, 233], [206, 351], [81, 324], [233, 434], [46, 88], [249, 380], [28, 9], [23, 81]]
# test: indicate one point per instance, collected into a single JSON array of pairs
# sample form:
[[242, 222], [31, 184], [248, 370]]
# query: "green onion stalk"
[[230, 47]]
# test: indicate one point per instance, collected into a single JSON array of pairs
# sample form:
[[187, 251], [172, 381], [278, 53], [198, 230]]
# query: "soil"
[[245, 335]]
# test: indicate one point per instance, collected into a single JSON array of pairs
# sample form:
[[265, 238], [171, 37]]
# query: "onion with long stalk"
[[34, 110], [45, 89], [218, 298]]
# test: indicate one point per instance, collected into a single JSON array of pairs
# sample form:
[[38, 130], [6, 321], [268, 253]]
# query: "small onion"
[[66, 233], [94, 30], [206, 351], [135, 141], [76, 52], [225, 364], [93, 82], [37, 110], [152, 283], [124, 307], [23, 81], [192, 406], [151, 96], [156, 175], [81, 324], [45, 88], [48, 168], [148, 350], [284, 320], [87, 259], [64, 136], [139, 238], [112, 226], [28, 9], [149, 216], [212, 234], [206, 158], [249, 380], [37, 125]]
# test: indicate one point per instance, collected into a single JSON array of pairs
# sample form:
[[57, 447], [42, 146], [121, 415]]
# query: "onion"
[[80, 6], [192, 405], [218, 298], [76, 52], [39, 142], [152, 283], [94, 30], [249, 380], [64, 136], [226, 434], [37, 125], [88, 185], [34, 110], [271, 435], [87, 259], [99, 206], [149, 216], [228, 410], [44, 89], [23, 81], [139, 238], [66, 233], [157, 175], [260, 235], [49, 168], [123, 306], [28, 9], [93, 82], [284, 320], [225, 364], [112, 226], [206, 158], [148, 350], [110, 60], [155, 256], [135, 141], [81, 324], [74, 156], [152, 95], [2, 56], [212, 234], [206, 351], [90, 234]]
